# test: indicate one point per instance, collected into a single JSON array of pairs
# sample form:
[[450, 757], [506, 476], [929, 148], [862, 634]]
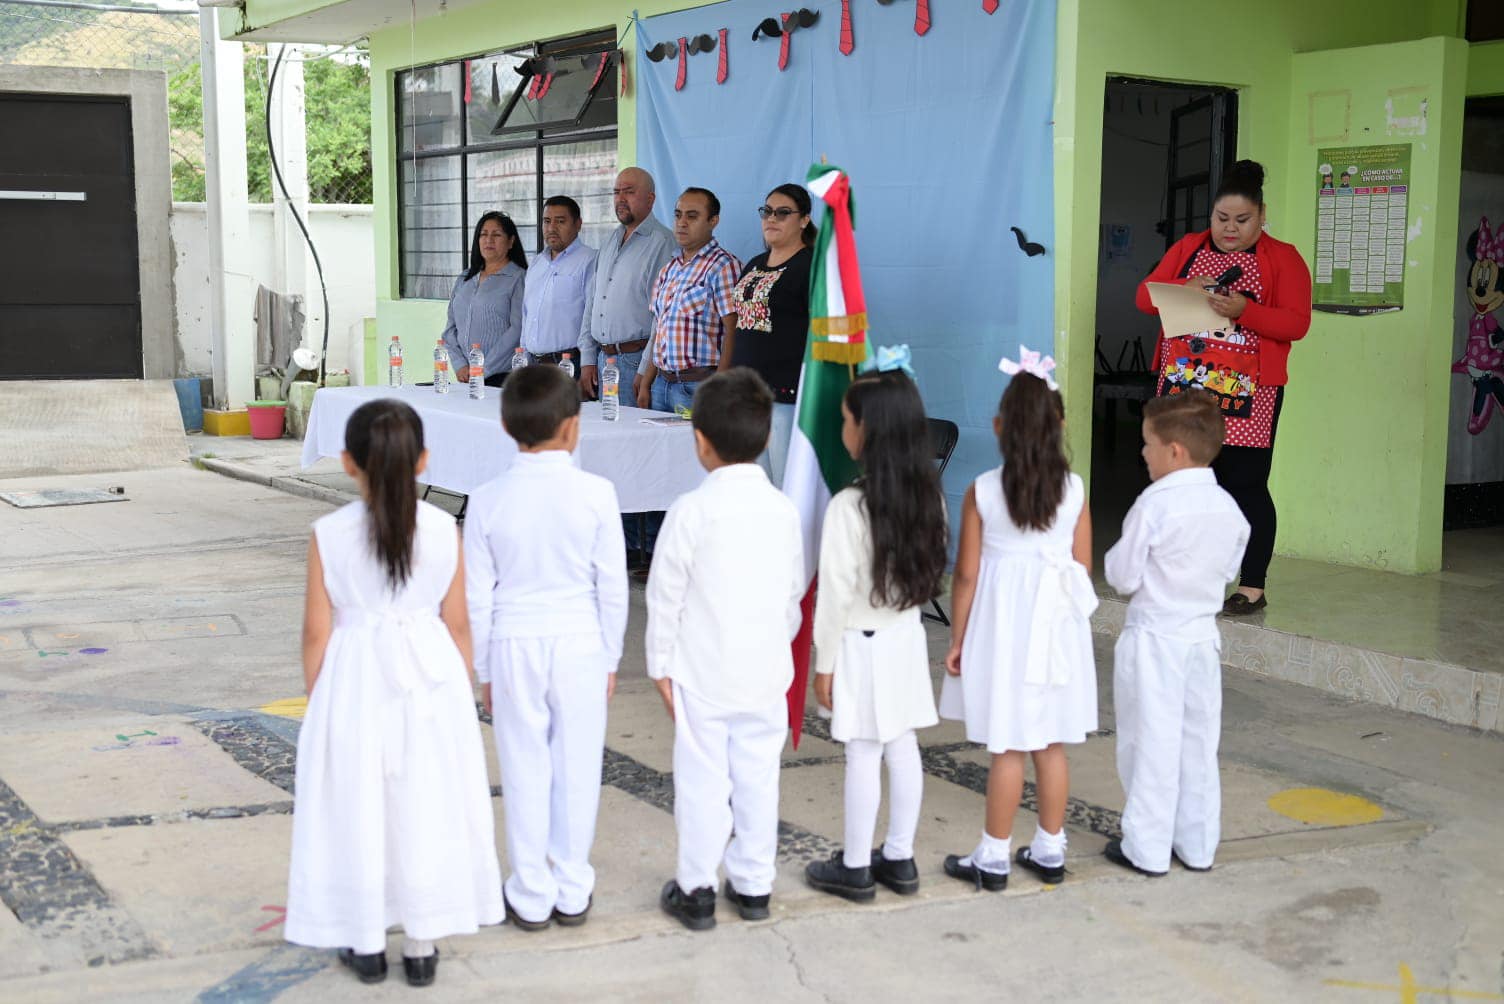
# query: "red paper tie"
[[600, 69], [922, 17], [848, 42], [621, 66], [544, 85], [990, 6], [722, 67], [683, 63], [783, 43]]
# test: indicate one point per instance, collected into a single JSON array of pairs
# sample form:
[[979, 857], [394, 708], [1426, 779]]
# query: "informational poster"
[[1361, 220]]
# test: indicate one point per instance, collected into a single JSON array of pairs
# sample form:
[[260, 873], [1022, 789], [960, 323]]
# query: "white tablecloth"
[[650, 465]]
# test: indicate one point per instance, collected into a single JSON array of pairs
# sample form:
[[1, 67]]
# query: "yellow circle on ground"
[[1320, 807], [288, 707]]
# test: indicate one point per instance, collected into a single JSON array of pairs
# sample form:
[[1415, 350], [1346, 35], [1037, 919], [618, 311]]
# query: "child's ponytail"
[[385, 439], [1032, 440]]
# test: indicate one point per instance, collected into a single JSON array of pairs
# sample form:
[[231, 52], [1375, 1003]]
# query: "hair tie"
[[1032, 363], [886, 359]]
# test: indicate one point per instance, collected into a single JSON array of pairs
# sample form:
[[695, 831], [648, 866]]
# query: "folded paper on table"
[[1186, 310]]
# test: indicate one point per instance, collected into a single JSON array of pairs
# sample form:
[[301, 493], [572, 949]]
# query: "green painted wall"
[[1485, 69]]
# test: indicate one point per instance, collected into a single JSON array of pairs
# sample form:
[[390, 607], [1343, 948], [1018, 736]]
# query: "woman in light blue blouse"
[[486, 305]]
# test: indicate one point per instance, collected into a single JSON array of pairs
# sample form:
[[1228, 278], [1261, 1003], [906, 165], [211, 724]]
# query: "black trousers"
[[1243, 471]]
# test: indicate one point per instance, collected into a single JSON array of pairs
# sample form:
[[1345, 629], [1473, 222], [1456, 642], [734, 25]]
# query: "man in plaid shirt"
[[694, 310]]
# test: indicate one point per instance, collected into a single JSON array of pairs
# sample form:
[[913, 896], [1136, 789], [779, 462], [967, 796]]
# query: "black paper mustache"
[[667, 50], [801, 18]]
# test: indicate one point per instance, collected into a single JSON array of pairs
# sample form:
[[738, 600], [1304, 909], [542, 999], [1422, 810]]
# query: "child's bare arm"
[[318, 618], [456, 616], [1081, 545], [963, 583]]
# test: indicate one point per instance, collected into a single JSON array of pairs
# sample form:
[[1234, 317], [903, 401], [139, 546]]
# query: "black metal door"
[[1203, 138], [70, 305]]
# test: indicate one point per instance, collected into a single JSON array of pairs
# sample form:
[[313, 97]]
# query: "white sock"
[[864, 790], [905, 792], [412, 948], [1047, 848], [992, 854]]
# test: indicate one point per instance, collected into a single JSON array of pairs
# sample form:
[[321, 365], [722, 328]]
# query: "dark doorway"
[[1164, 147], [70, 306]]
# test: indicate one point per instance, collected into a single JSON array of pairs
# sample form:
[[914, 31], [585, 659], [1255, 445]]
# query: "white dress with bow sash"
[[393, 823], [1028, 674]]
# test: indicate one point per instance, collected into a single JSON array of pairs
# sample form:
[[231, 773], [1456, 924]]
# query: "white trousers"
[[864, 789], [726, 767], [549, 703], [1168, 696]]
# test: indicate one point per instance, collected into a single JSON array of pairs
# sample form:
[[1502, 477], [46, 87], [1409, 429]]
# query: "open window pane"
[[559, 97], [493, 80]]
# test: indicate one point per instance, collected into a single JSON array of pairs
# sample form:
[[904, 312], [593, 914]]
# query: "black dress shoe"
[[749, 907], [834, 877], [900, 876], [1114, 852], [1238, 605], [1189, 868], [573, 919], [695, 910], [523, 922], [421, 971], [1048, 874], [980, 877], [370, 968]]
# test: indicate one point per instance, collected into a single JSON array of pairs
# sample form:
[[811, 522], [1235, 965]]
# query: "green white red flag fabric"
[[818, 465]]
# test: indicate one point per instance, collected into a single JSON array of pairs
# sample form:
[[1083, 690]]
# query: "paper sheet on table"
[[1185, 310]]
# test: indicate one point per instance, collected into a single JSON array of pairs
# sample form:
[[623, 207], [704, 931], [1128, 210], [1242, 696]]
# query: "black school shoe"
[[574, 919], [980, 877], [900, 876], [748, 907], [1048, 874], [835, 878], [1114, 852], [695, 910], [370, 968], [1190, 868], [1238, 605], [523, 922], [421, 971]]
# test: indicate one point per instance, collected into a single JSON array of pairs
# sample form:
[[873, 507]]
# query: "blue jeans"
[[775, 458], [670, 396]]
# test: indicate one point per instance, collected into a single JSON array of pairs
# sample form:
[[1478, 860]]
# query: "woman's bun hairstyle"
[[1244, 178]]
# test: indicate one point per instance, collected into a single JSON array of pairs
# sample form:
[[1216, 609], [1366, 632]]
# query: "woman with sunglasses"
[[772, 312], [486, 304]]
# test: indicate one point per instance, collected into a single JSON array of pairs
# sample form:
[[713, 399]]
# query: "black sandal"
[[1239, 605]]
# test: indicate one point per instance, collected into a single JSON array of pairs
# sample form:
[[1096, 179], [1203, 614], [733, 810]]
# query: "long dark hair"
[[1032, 440], [516, 254], [385, 439], [900, 489], [799, 195]]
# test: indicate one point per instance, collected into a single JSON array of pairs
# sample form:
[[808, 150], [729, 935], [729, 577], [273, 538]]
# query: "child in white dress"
[[882, 556], [1022, 673], [392, 823]]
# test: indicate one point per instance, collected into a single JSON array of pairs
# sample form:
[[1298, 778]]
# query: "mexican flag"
[[818, 465]]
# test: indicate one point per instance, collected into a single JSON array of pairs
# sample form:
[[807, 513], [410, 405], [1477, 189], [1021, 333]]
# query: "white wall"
[[342, 235]]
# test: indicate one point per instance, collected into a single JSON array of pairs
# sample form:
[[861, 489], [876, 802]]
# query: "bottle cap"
[[475, 345], [611, 360]]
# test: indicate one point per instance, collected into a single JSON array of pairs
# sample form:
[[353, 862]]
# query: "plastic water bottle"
[[567, 365], [440, 369], [610, 390], [394, 363], [519, 359], [477, 364]]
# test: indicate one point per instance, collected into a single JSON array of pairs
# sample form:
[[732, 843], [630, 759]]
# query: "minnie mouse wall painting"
[[1483, 358]]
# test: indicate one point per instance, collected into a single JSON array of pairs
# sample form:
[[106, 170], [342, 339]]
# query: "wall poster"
[[1361, 220]]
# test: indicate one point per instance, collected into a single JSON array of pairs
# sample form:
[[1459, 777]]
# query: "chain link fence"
[[337, 90]]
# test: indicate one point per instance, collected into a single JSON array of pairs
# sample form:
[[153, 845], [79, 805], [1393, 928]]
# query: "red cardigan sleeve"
[[1287, 315], [1168, 270]]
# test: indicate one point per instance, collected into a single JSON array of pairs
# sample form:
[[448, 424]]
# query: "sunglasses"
[[782, 212]]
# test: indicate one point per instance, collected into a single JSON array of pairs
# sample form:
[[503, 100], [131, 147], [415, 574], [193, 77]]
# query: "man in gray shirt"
[[618, 319]]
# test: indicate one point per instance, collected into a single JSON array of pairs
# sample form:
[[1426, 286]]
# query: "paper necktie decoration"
[[722, 66], [848, 40], [921, 17], [683, 73], [783, 27], [989, 6]]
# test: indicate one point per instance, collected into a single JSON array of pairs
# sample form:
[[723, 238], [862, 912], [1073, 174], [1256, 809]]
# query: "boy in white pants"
[[1182, 543], [546, 586], [723, 607]]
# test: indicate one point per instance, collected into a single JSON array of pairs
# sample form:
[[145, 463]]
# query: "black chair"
[[944, 434]]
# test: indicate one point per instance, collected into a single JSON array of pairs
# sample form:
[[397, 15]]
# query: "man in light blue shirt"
[[553, 304], [618, 317]]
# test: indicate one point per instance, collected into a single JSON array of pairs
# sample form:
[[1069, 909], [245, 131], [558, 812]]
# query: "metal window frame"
[[538, 140]]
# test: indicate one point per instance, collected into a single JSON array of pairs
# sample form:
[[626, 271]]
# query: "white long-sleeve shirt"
[[1182, 543], [544, 557], [844, 601], [724, 593]]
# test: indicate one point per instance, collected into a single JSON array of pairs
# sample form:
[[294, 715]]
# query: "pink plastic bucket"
[[267, 418]]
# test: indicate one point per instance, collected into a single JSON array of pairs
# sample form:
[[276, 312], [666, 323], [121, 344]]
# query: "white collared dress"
[[1028, 673], [392, 823]]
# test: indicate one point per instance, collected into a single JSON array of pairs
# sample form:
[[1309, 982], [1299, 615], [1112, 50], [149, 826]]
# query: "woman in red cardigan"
[[1270, 302]]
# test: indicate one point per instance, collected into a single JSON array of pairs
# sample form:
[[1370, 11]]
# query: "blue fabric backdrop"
[[948, 142]]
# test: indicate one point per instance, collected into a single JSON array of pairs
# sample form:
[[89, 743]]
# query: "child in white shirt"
[[1182, 543], [723, 607], [546, 586]]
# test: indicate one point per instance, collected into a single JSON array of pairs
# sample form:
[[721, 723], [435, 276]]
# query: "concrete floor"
[[149, 687]]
